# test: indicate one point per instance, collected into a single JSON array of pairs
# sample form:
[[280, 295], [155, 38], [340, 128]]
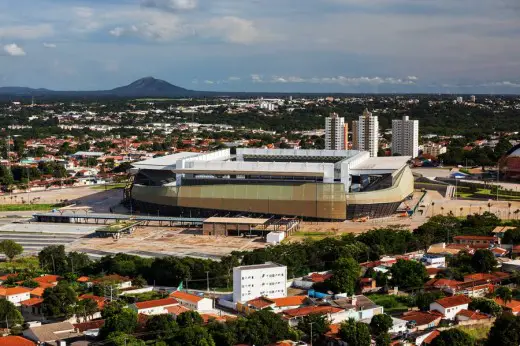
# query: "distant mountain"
[[144, 87], [150, 87]]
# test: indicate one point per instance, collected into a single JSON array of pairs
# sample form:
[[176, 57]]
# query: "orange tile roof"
[[431, 337], [475, 237], [421, 318], [5, 277], [186, 296], [84, 326], [15, 341], [260, 302], [450, 302], [289, 301], [38, 292], [48, 279], [10, 291], [100, 301], [321, 310], [333, 331], [473, 315], [156, 303], [439, 283], [32, 302], [177, 309], [514, 305], [83, 279]]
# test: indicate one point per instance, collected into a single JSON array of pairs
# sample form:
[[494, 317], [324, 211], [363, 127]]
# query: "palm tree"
[[516, 212], [480, 210], [442, 210], [509, 210], [433, 208], [461, 209], [489, 206]]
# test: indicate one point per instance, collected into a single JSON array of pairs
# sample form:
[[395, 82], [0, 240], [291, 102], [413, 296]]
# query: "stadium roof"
[[163, 162]]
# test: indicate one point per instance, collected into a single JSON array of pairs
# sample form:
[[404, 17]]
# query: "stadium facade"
[[510, 164], [312, 184]]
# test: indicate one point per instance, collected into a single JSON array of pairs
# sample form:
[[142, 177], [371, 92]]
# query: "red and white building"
[[154, 307], [192, 301], [451, 306]]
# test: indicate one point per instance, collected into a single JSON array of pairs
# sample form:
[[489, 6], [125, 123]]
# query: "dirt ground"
[[169, 241]]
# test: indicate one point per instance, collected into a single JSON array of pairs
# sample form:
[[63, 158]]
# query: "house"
[[50, 333], [7, 276], [15, 341], [419, 320], [192, 301], [427, 338], [368, 285], [90, 328], [332, 336], [176, 310], [470, 315], [450, 306], [476, 241], [433, 261], [154, 307], [513, 306], [358, 307], [335, 315], [499, 231], [15, 295], [399, 326], [46, 281], [100, 301], [31, 308], [276, 304]]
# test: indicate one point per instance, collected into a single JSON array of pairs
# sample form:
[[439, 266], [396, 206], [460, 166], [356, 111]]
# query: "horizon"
[[324, 46]]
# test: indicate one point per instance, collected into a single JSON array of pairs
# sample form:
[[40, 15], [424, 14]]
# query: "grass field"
[[312, 235], [19, 264], [27, 207], [478, 332], [464, 192], [109, 187], [390, 303]]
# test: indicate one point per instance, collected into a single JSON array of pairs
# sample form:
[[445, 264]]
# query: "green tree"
[[10, 248], [345, 273], [424, 299], [505, 331], [189, 318], [53, 258], [453, 337], [222, 333], [85, 308], [78, 262], [320, 326], [512, 236], [9, 312], [124, 339], [6, 176], [264, 327], [164, 326], [483, 261], [504, 293], [194, 335], [111, 309], [355, 333], [408, 274], [59, 300], [139, 282], [486, 306], [29, 283], [380, 324], [124, 321]]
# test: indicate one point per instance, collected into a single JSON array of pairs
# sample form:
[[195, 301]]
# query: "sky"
[[369, 46]]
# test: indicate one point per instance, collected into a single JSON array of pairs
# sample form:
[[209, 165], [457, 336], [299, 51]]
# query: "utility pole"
[[311, 331], [207, 281]]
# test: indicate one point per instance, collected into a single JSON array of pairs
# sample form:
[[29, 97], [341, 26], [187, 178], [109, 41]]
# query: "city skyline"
[[395, 46]]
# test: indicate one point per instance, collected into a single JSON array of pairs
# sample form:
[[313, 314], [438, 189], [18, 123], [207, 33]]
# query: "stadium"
[[510, 164], [310, 184]]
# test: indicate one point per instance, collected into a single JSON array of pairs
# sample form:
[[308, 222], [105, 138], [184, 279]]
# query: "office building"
[[365, 133], [434, 149], [260, 280], [336, 133], [314, 184], [405, 137]]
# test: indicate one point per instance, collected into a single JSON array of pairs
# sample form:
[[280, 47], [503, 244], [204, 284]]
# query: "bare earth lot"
[[150, 241]]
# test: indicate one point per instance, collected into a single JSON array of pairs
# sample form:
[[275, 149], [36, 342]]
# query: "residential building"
[[335, 315], [192, 301], [450, 306], [154, 307], [336, 133], [358, 307], [433, 149], [513, 306], [477, 241], [365, 133], [15, 295], [405, 137], [260, 280], [419, 320], [51, 333], [470, 315]]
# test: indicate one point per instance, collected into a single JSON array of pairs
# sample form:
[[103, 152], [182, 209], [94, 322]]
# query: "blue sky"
[[461, 46]]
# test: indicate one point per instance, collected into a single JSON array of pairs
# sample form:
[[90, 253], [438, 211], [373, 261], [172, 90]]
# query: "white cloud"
[[26, 32], [170, 5], [49, 45], [341, 80], [256, 78], [209, 82], [14, 50], [233, 79], [232, 29], [156, 27]]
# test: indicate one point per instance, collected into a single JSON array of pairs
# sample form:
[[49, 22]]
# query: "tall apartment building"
[[405, 137], [336, 133], [260, 280], [365, 133]]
